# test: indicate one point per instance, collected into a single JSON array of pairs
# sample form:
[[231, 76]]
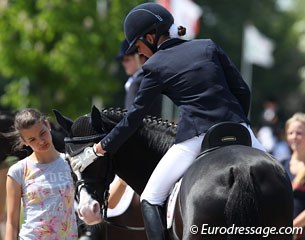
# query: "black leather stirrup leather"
[[154, 221]]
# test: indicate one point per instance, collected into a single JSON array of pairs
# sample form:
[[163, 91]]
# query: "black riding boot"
[[154, 221]]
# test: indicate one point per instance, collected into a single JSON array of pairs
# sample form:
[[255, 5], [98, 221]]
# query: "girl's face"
[[38, 137], [296, 136]]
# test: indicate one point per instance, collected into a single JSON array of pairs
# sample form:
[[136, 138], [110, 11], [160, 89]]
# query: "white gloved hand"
[[84, 159]]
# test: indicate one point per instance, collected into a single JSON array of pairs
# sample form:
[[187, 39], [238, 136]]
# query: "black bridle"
[[83, 183], [85, 139]]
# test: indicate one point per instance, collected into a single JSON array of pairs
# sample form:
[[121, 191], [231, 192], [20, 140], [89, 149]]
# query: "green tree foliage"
[[59, 53], [299, 29]]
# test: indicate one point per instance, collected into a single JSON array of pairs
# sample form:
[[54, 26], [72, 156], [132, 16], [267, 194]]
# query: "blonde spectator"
[[295, 134]]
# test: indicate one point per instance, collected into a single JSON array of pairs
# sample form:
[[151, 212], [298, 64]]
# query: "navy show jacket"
[[132, 91], [199, 78]]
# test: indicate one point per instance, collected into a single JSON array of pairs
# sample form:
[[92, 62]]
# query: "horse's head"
[[134, 161], [93, 183]]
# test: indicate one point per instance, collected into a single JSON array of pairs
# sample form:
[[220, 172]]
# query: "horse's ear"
[[96, 120], [63, 121]]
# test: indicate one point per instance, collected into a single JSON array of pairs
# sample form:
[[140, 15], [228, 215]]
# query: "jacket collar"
[[170, 43]]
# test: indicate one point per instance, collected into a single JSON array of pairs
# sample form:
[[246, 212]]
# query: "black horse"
[[232, 192]]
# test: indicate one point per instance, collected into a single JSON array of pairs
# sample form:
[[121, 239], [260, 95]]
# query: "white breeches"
[[174, 164]]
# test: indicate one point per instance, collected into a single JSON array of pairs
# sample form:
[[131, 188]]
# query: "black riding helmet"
[[146, 18]]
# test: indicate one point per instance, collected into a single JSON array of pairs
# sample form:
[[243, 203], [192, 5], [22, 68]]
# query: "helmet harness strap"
[[154, 46]]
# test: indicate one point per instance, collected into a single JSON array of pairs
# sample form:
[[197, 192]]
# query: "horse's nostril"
[[96, 207], [79, 213]]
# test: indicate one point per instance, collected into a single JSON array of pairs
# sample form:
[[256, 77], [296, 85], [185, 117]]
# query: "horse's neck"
[[138, 157]]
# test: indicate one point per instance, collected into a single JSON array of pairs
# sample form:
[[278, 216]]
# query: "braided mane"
[[158, 133]]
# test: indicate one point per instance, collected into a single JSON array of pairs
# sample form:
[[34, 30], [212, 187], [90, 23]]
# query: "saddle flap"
[[171, 204], [224, 134]]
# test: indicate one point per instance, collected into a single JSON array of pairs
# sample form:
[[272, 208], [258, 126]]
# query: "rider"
[[198, 77]]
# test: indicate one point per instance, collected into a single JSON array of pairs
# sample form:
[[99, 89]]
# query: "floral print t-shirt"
[[48, 198]]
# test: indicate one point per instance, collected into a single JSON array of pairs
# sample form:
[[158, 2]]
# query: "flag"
[[257, 48], [188, 18]]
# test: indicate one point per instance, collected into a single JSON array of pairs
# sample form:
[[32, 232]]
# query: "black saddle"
[[224, 134]]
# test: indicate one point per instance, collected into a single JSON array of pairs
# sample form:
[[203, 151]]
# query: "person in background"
[[295, 165], [132, 63], [271, 132], [116, 191], [42, 181]]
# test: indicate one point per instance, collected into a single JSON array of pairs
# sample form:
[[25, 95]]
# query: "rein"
[[125, 227]]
